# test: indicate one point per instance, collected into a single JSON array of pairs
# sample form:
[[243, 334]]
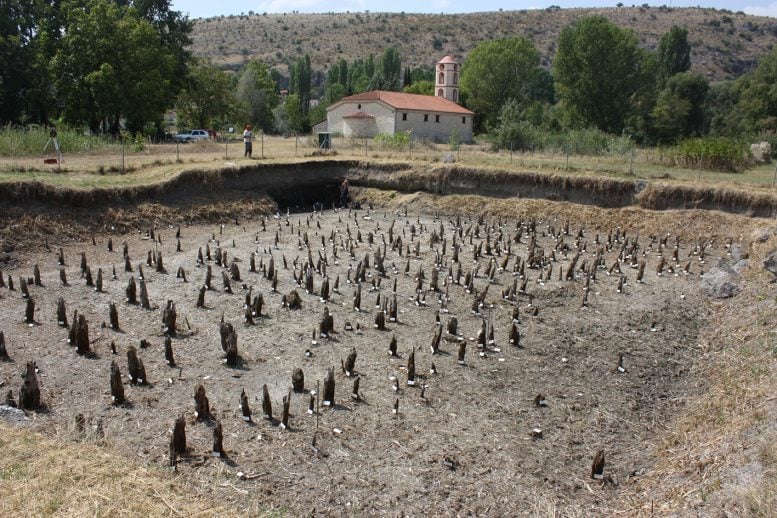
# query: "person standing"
[[248, 137]]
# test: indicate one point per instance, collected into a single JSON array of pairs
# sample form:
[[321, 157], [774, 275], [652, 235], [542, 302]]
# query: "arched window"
[[441, 78], [455, 78], [442, 67], [439, 93], [455, 68], [455, 96]]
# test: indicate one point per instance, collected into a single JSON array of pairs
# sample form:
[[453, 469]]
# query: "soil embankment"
[[302, 184]]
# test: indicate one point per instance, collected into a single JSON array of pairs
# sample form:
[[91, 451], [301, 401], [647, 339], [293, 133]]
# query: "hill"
[[725, 44]]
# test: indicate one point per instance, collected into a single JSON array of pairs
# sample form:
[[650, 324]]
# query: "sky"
[[208, 8]]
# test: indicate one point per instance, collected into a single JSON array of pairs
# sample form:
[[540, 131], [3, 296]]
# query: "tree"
[[300, 81], [342, 77], [16, 57], [256, 95], [669, 116], [599, 70], [111, 66], [674, 53], [499, 70], [294, 113], [422, 74], [421, 87], [724, 119], [207, 99], [387, 73], [333, 93], [758, 95], [679, 110]]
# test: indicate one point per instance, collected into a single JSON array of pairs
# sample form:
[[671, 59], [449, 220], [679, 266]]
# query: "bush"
[[399, 140], [30, 141], [717, 153]]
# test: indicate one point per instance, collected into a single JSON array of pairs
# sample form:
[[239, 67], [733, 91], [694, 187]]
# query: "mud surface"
[[476, 442]]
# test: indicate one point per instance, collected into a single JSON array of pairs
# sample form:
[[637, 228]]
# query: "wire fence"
[[128, 157]]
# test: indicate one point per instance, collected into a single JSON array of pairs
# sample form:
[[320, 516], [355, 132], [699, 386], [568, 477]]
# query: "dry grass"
[[45, 476], [158, 163], [723, 44], [719, 458]]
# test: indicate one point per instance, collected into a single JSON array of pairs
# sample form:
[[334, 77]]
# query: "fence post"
[[296, 142], [262, 134], [122, 156], [226, 148]]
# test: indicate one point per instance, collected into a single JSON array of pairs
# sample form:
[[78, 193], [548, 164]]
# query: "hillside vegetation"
[[724, 44]]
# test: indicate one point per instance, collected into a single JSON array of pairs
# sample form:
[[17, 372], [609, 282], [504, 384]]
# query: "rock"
[[770, 262], [737, 254], [12, 415], [720, 282], [761, 234], [761, 151], [741, 265]]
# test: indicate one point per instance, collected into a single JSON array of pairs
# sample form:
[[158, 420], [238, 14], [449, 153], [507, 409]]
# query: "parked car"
[[188, 136]]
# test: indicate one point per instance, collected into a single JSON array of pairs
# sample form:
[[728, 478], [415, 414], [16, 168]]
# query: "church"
[[429, 117]]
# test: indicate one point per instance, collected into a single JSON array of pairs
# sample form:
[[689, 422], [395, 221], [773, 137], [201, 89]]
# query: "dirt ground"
[[475, 443]]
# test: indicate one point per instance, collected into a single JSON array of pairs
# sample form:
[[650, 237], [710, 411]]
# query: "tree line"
[[118, 65], [601, 78]]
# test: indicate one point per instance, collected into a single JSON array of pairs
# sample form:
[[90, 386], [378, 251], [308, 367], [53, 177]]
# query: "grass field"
[[109, 166]]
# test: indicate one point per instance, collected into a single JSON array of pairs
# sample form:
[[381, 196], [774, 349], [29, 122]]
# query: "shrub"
[[717, 153], [30, 141], [399, 140]]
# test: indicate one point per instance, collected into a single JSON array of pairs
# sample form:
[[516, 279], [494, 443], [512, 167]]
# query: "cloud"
[[762, 10]]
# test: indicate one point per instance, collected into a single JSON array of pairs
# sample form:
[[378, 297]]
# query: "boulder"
[[761, 234], [721, 282], [741, 265], [770, 262], [761, 151], [737, 254]]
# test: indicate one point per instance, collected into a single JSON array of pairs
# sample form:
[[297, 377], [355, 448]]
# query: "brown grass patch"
[[44, 477]]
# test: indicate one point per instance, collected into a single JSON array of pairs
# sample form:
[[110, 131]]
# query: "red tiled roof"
[[447, 59], [403, 101], [359, 115]]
